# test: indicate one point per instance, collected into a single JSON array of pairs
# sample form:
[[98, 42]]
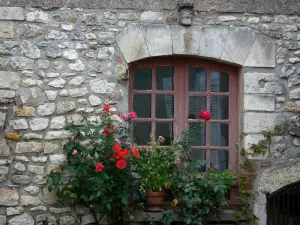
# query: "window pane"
[[219, 81], [219, 158], [198, 155], [219, 134], [164, 106], [219, 107], [197, 79], [196, 104], [141, 133], [165, 130], [142, 79], [198, 134], [164, 78], [142, 105]]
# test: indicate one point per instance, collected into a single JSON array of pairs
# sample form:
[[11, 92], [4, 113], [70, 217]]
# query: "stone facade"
[[58, 64]]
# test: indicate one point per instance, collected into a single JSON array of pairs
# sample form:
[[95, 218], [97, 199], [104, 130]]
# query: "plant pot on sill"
[[154, 201]]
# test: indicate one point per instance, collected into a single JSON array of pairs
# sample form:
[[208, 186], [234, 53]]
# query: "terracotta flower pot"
[[154, 200]]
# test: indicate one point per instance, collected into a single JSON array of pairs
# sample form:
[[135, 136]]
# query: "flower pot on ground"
[[154, 200]]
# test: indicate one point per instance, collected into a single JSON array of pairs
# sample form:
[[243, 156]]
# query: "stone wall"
[[58, 64]]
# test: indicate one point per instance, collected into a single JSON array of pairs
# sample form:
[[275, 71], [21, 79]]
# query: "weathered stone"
[[52, 167], [292, 106], [26, 147], [32, 190], [294, 60], [38, 208], [151, 16], [53, 53], [22, 158], [9, 80], [57, 83], [29, 30], [67, 220], [106, 35], [75, 119], [30, 136], [102, 86], [94, 100], [49, 197], [77, 66], [20, 166], [58, 159], [78, 92], [20, 124], [128, 16], [36, 169], [27, 200], [21, 63], [278, 150], [37, 16], [3, 173], [65, 106], [39, 159], [87, 219], [50, 148], [294, 126], [51, 95], [12, 13], [293, 81], [8, 47], [106, 53], [293, 45], [21, 179], [58, 122], [8, 197], [23, 219], [77, 81], [30, 50], [26, 111], [2, 119], [70, 55], [6, 30], [91, 19], [3, 63], [39, 180], [46, 109], [7, 94], [60, 210], [295, 94], [64, 93], [10, 211], [67, 27], [2, 220], [42, 217], [44, 64], [51, 135]]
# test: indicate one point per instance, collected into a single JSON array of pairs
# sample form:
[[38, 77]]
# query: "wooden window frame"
[[181, 98]]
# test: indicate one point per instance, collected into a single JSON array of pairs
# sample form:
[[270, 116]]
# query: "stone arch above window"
[[238, 45]]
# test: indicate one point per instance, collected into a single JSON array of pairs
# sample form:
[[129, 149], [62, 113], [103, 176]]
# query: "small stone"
[[27, 200], [58, 122], [56, 35], [8, 197], [21, 63], [8, 47], [70, 55], [32, 190], [58, 159], [49, 197], [29, 30], [253, 20], [52, 167], [67, 27], [228, 18], [46, 109], [36, 169], [67, 220], [30, 50], [42, 217], [64, 44], [9, 80], [102, 86], [94, 100], [2, 119], [77, 66], [266, 19], [106, 53], [287, 70], [26, 147], [60, 210], [37, 16], [295, 94], [10, 211], [44, 64], [60, 135], [51, 95], [20, 124], [294, 60], [290, 28], [50, 148], [57, 83], [22, 158], [128, 16], [39, 159], [281, 19], [53, 53], [38, 208], [39, 124], [26, 111], [91, 19], [75, 119], [3, 173], [77, 81], [82, 101], [30, 136], [7, 94], [78, 92], [39, 180], [3, 63], [64, 93], [6, 30], [65, 106], [23, 219], [20, 166], [21, 179]]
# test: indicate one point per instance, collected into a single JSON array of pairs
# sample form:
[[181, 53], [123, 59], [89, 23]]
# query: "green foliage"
[[106, 191]]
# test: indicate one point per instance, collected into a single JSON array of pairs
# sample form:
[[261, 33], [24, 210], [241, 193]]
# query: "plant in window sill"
[[98, 172]]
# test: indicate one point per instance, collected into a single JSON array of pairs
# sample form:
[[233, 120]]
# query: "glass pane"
[[141, 133], [197, 79], [219, 107], [219, 134], [219, 81], [198, 155], [166, 131], [164, 78], [198, 134], [142, 105], [196, 104], [142, 79], [164, 106], [219, 158]]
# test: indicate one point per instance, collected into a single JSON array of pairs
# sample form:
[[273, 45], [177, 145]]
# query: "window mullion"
[[208, 124]]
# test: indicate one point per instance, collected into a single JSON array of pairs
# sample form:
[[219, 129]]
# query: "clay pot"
[[154, 200]]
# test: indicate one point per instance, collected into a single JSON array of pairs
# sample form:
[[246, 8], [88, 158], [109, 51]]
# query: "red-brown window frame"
[[181, 98]]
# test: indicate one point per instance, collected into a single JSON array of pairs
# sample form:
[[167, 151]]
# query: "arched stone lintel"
[[279, 176], [238, 45]]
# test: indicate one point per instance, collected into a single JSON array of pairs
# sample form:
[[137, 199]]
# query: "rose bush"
[[98, 170]]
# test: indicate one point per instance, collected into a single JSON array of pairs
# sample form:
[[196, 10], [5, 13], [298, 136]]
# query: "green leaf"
[[108, 206]]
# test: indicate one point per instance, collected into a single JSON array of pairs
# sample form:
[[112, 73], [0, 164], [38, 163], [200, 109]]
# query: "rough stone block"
[[26, 111], [8, 197], [2, 119], [259, 103], [26, 147], [12, 13], [251, 139], [9, 80], [4, 148], [6, 30], [25, 218], [151, 16]]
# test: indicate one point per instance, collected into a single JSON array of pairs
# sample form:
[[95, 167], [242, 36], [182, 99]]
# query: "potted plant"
[[154, 167]]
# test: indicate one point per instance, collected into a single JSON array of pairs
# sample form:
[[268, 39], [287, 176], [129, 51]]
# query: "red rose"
[[121, 164], [121, 154], [205, 115], [108, 130], [136, 153], [75, 151], [132, 115], [106, 107], [99, 167], [117, 148]]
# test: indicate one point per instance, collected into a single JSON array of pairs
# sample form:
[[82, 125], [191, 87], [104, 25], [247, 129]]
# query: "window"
[[169, 93]]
